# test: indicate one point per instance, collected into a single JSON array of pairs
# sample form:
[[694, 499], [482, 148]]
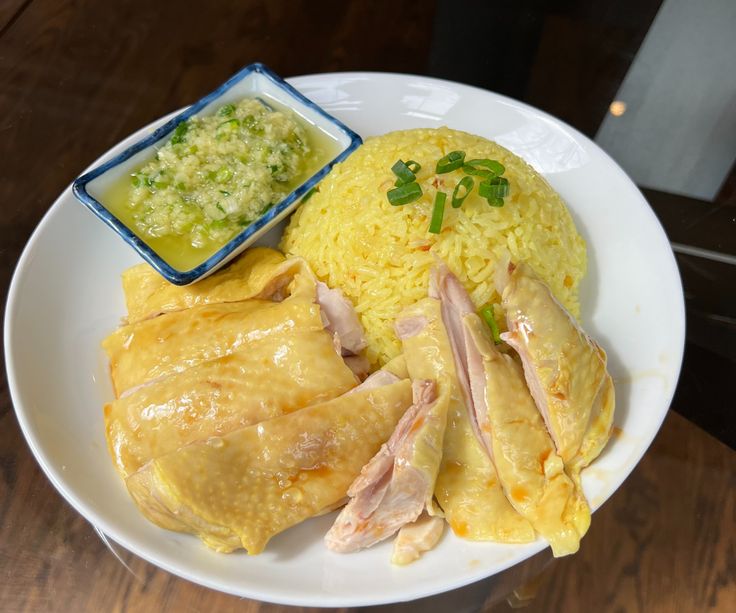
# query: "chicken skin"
[[241, 489], [564, 368]]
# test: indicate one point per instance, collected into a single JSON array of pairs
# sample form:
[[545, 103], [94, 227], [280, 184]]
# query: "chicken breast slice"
[[241, 489], [530, 471], [398, 483], [417, 537], [564, 368], [277, 375], [154, 348], [467, 487], [258, 273]]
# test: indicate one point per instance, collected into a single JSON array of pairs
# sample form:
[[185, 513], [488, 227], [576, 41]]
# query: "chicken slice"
[[278, 374], [398, 483], [467, 486], [397, 366], [258, 273], [417, 537], [142, 352], [377, 379], [241, 489], [341, 319], [564, 368], [529, 469], [599, 428]]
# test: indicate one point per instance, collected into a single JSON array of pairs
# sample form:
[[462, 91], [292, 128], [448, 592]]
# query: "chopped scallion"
[[415, 167], [403, 172], [452, 161], [226, 110], [438, 212], [487, 314], [483, 167], [461, 191], [309, 194], [404, 194], [494, 190]]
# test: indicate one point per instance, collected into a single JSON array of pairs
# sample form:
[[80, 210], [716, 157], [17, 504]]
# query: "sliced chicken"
[[397, 366], [599, 428], [530, 471], [417, 537], [398, 483], [276, 375], [241, 489], [467, 486], [258, 273], [377, 379], [142, 352], [341, 319], [564, 368]]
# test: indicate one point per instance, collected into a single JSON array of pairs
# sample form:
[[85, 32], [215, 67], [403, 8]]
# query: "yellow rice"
[[380, 255]]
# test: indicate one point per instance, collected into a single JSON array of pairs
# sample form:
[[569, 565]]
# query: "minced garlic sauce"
[[215, 176]]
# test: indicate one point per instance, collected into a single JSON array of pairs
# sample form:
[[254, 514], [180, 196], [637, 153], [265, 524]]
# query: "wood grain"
[[10, 10], [664, 542], [76, 77]]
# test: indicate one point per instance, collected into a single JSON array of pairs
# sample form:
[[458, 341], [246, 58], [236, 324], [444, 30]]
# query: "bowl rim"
[[323, 599], [253, 230]]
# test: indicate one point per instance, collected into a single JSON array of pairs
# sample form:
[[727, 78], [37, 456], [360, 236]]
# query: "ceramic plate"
[[66, 296]]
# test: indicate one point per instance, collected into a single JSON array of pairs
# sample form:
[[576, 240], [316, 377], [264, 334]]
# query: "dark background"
[[76, 76]]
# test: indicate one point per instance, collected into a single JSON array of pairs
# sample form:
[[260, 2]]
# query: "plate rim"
[[318, 598]]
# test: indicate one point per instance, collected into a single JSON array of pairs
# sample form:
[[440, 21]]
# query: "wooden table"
[[75, 77]]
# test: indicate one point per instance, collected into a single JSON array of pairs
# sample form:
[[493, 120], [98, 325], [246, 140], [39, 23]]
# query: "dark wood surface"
[[664, 542], [76, 77]]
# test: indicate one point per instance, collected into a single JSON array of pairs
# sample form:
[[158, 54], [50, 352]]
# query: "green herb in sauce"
[[215, 176]]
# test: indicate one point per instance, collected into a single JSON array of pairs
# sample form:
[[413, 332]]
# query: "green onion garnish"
[[483, 167], [487, 314], [415, 167], [466, 184], [452, 161], [226, 110], [226, 127], [494, 190], [309, 194], [438, 212], [404, 194], [403, 172]]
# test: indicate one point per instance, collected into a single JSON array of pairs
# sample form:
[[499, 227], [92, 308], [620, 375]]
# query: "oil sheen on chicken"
[[170, 343], [241, 489], [467, 486], [277, 374], [565, 369], [529, 469], [258, 273], [244, 345]]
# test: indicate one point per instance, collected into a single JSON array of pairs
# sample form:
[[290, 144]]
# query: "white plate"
[[66, 296]]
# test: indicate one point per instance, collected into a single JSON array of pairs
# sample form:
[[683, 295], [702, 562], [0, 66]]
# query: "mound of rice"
[[381, 255]]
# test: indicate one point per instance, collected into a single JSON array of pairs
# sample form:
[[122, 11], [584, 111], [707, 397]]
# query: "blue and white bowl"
[[252, 81]]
